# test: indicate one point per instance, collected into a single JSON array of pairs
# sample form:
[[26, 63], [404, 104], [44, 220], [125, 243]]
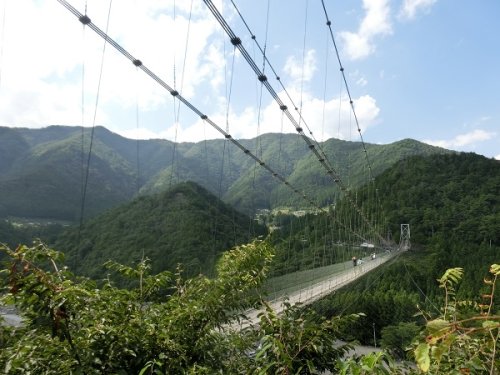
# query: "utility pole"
[[404, 240]]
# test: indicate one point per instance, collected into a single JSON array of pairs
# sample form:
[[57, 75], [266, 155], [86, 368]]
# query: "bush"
[[398, 338]]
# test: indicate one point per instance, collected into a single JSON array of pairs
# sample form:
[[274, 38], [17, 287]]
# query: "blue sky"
[[422, 69]]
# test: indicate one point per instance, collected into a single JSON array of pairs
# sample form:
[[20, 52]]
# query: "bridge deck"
[[320, 289]]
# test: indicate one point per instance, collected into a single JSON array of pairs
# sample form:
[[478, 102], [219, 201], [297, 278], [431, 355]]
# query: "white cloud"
[[325, 120], [358, 78], [463, 140], [375, 23], [497, 157], [362, 81], [42, 74], [301, 70], [44, 47], [141, 133], [410, 8]]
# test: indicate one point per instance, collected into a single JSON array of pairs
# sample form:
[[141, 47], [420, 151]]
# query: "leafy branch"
[[461, 340]]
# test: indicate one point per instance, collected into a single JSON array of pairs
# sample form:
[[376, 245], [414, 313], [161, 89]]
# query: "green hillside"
[[452, 203], [42, 171], [456, 196], [185, 224], [45, 179]]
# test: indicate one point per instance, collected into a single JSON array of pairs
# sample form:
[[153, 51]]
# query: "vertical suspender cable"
[[329, 25], [82, 152], [2, 40], [176, 117], [303, 61], [314, 146], [324, 90], [137, 122], [85, 20], [82, 139]]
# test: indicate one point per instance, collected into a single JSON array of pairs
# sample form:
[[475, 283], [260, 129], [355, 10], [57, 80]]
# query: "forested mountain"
[[456, 195], [42, 171], [452, 203], [45, 172], [449, 198], [184, 225]]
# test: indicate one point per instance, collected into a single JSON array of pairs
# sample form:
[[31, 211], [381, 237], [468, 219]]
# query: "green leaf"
[[438, 350], [490, 324], [452, 275], [437, 325], [422, 357], [495, 269]]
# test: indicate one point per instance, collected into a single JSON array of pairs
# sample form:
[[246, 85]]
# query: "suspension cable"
[[2, 40], [351, 102], [83, 19], [278, 78], [303, 61], [236, 41], [138, 63]]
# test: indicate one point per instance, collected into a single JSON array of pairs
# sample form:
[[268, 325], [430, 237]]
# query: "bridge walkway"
[[314, 291]]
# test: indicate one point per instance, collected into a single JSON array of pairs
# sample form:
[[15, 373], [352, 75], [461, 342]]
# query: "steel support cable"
[[137, 120], [259, 139], [221, 173], [82, 103], [86, 21], [237, 42], [137, 126], [324, 90], [320, 156], [419, 289], [177, 109], [301, 119], [2, 39], [82, 141], [303, 63], [264, 59], [351, 102], [87, 171]]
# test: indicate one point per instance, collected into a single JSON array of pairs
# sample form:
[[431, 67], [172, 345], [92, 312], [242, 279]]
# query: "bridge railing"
[[320, 289]]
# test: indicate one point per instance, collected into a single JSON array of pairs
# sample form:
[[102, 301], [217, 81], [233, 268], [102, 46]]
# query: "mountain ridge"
[[43, 171], [185, 224]]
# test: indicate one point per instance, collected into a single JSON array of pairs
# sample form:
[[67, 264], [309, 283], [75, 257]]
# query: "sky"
[[422, 69]]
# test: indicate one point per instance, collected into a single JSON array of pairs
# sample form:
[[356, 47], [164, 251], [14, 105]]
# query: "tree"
[[466, 336], [398, 338], [166, 324]]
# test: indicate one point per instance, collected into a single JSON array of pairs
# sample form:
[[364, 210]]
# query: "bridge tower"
[[404, 240]]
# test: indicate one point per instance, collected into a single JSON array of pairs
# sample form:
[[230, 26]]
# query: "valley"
[[180, 222]]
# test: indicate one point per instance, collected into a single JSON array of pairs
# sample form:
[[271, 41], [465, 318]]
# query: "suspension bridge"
[[359, 225], [319, 288], [367, 230]]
